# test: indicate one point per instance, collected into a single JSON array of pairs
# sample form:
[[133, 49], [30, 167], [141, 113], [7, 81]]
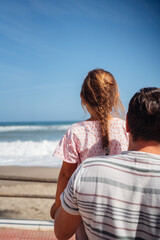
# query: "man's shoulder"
[[104, 159], [125, 157], [123, 160]]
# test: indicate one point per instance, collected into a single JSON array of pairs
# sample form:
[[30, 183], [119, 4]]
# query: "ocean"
[[31, 143]]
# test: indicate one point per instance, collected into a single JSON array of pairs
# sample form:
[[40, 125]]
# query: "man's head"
[[143, 117]]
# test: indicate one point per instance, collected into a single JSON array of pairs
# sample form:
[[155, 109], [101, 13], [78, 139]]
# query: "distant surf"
[[33, 128], [31, 143]]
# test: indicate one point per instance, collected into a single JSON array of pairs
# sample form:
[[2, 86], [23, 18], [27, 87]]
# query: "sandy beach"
[[27, 192]]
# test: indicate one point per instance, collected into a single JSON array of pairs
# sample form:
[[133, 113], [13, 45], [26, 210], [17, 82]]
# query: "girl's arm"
[[65, 173]]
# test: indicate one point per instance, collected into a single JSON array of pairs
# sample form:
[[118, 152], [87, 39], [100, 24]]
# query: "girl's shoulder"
[[88, 125], [116, 121], [84, 126]]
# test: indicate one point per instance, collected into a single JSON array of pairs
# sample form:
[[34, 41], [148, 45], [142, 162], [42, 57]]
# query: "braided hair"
[[99, 94]]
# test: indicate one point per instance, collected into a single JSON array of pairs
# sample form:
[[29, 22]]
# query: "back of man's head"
[[144, 115]]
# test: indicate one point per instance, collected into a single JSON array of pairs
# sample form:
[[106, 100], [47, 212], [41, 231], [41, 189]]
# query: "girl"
[[104, 133]]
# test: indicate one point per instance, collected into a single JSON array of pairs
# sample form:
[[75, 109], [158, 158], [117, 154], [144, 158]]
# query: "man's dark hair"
[[144, 115]]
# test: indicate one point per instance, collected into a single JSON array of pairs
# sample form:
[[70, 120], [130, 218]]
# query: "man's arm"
[[65, 224]]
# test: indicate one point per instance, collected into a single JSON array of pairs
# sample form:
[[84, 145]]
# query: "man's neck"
[[145, 146]]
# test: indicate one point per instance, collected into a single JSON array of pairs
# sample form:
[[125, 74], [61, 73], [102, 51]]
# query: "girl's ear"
[[127, 126]]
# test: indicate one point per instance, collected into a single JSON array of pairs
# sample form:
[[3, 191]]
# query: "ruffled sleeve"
[[66, 150]]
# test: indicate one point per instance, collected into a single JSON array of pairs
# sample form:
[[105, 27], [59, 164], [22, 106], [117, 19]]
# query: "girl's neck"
[[91, 119]]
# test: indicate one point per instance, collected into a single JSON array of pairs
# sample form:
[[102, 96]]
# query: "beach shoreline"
[[27, 192], [32, 172]]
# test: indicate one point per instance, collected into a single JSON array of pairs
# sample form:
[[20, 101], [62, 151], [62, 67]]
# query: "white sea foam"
[[34, 128], [28, 153]]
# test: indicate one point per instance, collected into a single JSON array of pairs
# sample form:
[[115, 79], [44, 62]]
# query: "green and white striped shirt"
[[118, 196]]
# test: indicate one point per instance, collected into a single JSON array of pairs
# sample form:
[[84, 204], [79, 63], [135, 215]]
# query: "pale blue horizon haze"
[[48, 47]]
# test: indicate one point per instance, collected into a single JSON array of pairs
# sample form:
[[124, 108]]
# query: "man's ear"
[[127, 126]]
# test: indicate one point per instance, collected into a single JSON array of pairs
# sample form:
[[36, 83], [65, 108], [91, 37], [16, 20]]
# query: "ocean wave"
[[48, 161], [29, 153], [34, 128], [27, 148]]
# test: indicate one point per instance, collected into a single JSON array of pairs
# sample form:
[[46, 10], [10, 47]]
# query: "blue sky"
[[48, 47]]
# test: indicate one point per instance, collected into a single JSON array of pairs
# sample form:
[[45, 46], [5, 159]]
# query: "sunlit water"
[[30, 143]]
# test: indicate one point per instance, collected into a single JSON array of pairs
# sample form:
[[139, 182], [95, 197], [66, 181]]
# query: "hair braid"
[[104, 127], [100, 95]]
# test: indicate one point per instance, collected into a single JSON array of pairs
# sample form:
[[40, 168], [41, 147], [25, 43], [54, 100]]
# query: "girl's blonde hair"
[[99, 94]]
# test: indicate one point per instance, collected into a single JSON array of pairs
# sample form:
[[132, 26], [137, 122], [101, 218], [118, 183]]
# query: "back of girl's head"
[[99, 94]]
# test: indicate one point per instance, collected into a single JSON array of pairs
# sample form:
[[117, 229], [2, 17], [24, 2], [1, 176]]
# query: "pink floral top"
[[83, 140]]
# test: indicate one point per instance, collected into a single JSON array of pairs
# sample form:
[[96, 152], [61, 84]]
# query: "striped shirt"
[[118, 196]]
